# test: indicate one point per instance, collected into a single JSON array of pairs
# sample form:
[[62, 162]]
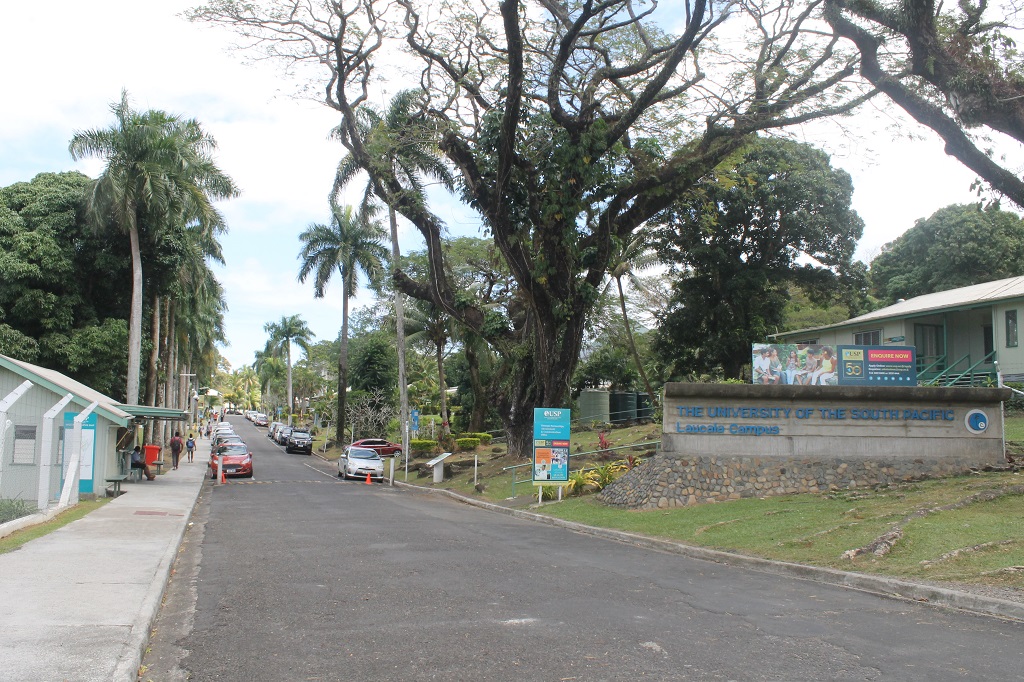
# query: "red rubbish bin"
[[152, 453]]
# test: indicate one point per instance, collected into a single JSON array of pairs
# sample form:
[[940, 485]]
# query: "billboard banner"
[[551, 445], [800, 364], [877, 366], [810, 364]]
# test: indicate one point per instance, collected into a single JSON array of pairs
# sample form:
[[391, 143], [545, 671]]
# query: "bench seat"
[[116, 480]]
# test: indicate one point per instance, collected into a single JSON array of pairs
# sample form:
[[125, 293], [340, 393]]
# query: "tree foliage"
[[955, 68], [956, 246], [778, 215], [61, 304]]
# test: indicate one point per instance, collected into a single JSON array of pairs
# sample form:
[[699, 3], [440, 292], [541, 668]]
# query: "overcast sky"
[[65, 62]]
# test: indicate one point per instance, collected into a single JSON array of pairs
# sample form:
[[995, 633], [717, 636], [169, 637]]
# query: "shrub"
[[580, 480], [467, 444], [14, 509], [423, 446], [485, 438], [607, 473]]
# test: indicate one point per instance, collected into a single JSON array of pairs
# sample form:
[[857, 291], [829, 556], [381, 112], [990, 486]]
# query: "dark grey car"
[[299, 441]]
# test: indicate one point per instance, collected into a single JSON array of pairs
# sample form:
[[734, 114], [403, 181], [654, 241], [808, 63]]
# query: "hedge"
[[423, 445], [467, 443], [485, 438]]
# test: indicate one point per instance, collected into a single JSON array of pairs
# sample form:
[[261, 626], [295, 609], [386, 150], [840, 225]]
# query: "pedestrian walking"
[[176, 446], [190, 447]]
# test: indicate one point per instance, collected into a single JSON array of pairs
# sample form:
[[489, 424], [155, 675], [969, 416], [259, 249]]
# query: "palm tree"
[[290, 330], [158, 171], [350, 244], [433, 328], [631, 257], [407, 143]]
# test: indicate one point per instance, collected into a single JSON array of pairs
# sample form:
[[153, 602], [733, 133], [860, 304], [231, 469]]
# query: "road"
[[299, 576]]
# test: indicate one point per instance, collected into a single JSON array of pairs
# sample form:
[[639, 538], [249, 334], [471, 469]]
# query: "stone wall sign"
[[725, 441]]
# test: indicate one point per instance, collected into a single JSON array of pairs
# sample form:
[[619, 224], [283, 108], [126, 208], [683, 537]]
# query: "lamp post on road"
[[193, 400]]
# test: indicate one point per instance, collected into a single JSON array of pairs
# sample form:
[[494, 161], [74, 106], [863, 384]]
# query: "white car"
[[358, 462]]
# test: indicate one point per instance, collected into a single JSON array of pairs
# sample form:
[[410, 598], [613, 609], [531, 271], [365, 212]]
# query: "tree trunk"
[[291, 402], [343, 369], [478, 414], [152, 376], [134, 322], [446, 427], [541, 378], [632, 345], [403, 383]]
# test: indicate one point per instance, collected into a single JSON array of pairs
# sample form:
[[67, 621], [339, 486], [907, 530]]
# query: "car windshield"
[[300, 434], [360, 453], [233, 450]]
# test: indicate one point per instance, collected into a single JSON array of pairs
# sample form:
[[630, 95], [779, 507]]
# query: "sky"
[[66, 61]]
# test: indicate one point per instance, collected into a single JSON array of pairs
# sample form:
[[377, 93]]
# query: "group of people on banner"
[[800, 364]]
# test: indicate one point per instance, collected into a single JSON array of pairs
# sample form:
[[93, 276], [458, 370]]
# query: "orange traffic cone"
[[223, 478], [368, 481]]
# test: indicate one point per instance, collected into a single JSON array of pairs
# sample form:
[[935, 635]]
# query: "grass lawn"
[[19, 538]]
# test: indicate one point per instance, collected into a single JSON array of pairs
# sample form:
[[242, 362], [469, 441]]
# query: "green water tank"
[[593, 406]]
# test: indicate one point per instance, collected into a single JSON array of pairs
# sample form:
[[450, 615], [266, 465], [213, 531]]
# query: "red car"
[[382, 447], [237, 460]]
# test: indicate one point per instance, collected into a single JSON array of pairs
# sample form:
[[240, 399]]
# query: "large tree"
[[570, 126], [159, 171], [350, 244], [953, 67], [779, 214], [956, 246]]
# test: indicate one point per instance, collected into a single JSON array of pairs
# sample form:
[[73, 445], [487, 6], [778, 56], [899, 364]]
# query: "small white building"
[[37, 418], [962, 336]]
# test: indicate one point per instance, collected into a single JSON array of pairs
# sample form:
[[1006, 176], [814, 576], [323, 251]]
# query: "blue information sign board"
[[877, 366], [551, 445], [414, 418]]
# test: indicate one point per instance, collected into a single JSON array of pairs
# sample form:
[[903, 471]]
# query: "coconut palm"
[[158, 171], [290, 331], [630, 258], [431, 327], [350, 244], [407, 143]]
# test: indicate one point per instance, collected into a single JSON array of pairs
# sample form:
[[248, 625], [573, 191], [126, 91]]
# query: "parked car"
[[282, 435], [380, 446], [272, 431], [299, 441], [260, 419], [222, 438], [357, 462], [237, 460]]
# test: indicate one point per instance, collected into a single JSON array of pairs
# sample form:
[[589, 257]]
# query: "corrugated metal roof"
[[964, 297], [61, 384]]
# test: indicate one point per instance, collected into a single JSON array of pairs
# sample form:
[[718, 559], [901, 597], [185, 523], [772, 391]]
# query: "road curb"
[[888, 587], [128, 663]]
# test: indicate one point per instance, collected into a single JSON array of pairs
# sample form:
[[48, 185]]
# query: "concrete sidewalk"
[[78, 604]]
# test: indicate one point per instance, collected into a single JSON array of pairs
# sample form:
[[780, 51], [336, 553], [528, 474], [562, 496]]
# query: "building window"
[[987, 340], [1011, 328], [24, 445], [871, 338], [805, 342]]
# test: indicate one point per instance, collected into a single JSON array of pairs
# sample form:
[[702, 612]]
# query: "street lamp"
[[193, 403]]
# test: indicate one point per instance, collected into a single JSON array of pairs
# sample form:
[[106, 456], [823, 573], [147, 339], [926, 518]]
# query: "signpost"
[[551, 446]]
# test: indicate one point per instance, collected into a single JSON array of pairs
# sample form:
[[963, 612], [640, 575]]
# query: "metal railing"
[[953, 377], [578, 454]]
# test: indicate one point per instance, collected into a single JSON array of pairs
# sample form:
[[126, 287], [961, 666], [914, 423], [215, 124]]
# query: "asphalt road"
[[300, 576]]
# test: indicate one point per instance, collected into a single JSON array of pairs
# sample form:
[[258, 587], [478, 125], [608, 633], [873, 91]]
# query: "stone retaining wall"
[[667, 481]]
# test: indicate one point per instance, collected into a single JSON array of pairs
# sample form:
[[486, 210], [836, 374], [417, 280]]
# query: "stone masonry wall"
[[667, 481]]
